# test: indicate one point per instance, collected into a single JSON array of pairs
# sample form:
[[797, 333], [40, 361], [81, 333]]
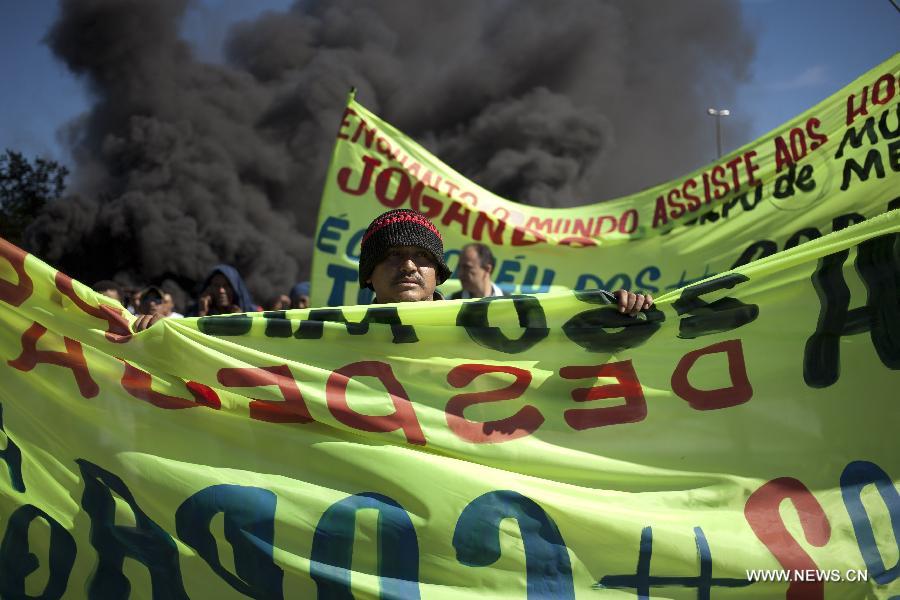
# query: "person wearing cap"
[[151, 301], [402, 258]]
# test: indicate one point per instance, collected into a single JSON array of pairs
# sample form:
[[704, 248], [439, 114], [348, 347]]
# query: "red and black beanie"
[[400, 227]]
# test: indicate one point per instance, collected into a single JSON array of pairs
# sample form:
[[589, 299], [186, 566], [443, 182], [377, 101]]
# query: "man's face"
[[151, 304], [471, 274], [407, 274], [220, 291], [168, 304]]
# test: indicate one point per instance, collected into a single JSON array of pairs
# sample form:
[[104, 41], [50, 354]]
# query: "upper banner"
[[737, 441], [835, 164]]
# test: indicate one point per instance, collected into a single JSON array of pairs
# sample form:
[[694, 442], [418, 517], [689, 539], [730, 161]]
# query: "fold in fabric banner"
[[739, 440], [835, 164]]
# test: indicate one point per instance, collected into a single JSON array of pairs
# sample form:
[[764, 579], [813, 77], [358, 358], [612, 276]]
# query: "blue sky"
[[807, 50]]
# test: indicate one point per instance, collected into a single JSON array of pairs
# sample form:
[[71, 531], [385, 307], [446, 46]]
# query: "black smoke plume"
[[182, 164]]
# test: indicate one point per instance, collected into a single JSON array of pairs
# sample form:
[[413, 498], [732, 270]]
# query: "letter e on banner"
[[628, 387]]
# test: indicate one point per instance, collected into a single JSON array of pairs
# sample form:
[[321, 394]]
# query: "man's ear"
[[489, 269]]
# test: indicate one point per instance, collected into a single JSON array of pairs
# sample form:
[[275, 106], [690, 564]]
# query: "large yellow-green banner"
[[835, 164], [740, 440]]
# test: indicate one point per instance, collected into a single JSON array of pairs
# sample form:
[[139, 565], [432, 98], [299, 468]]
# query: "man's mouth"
[[407, 282]]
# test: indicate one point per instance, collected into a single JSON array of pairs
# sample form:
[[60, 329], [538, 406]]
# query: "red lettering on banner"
[[292, 410], [521, 424], [365, 180], [660, 214], [424, 203], [403, 417], [763, 514], [733, 165], [138, 382], [629, 216], [519, 239], [738, 392], [382, 187], [783, 156], [889, 86], [720, 186], [72, 359], [345, 122], [752, 168], [853, 112], [458, 213], [15, 293], [494, 228], [693, 200], [628, 387], [116, 326]]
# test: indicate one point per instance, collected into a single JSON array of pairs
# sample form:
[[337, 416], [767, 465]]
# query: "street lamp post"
[[718, 114]]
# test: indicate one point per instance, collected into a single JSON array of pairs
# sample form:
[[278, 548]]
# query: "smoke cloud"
[[182, 164]]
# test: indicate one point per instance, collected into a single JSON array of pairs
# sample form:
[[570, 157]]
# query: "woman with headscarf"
[[224, 292]]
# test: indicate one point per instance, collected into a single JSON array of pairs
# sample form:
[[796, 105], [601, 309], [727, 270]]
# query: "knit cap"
[[400, 227]]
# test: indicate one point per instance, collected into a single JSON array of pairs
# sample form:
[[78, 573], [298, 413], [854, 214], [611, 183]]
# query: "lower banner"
[[739, 440]]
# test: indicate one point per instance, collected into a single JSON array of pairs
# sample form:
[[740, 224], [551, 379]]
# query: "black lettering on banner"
[[854, 136], [802, 180], [12, 456], [331, 556], [225, 325], [588, 329], [724, 314], [17, 563], [878, 263], [474, 317], [797, 238], [249, 514], [313, 327], [147, 542], [755, 251], [277, 324]]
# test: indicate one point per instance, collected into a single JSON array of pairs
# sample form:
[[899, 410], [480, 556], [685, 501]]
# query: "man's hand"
[[204, 304], [631, 303], [145, 321]]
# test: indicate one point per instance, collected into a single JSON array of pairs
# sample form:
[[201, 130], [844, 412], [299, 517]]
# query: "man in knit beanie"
[[402, 258]]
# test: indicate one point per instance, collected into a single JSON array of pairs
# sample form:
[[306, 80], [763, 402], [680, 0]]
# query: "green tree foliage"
[[25, 188]]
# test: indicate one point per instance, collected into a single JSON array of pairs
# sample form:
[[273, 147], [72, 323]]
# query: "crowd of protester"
[[401, 260], [222, 292]]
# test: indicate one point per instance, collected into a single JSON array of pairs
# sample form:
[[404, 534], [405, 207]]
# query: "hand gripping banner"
[[835, 164], [737, 441]]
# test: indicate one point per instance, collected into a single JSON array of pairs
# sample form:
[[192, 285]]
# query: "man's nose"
[[408, 265]]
